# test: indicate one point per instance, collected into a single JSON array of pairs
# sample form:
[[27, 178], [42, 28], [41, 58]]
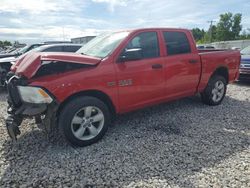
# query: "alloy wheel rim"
[[218, 91], [87, 123]]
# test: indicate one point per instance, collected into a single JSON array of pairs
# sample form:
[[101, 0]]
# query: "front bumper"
[[244, 71], [244, 74], [44, 114]]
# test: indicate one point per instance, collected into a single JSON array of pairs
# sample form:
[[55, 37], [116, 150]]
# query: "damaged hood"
[[29, 64]]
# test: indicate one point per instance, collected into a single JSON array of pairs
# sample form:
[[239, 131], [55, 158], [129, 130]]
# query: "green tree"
[[202, 36], [229, 27], [245, 34], [210, 35], [6, 43], [237, 27], [198, 34]]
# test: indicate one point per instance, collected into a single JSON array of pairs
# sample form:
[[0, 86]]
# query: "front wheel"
[[215, 91], [84, 120]]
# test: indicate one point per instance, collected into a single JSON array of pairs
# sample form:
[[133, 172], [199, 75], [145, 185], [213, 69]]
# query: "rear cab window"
[[176, 42]]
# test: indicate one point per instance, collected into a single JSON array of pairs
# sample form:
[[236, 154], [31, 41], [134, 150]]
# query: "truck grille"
[[245, 63]]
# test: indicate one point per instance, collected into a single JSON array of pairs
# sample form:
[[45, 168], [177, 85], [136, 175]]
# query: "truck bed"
[[212, 59]]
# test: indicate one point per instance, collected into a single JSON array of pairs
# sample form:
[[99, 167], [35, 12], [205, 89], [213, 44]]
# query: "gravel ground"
[[179, 144]]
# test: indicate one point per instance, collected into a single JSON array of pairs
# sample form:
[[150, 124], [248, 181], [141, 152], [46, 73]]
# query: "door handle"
[[156, 66], [193, 61]]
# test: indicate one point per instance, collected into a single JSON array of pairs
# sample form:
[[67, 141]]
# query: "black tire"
[[70, 111], [207, 95]]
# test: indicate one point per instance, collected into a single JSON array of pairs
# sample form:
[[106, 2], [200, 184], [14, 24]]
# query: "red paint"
[[176, 79]]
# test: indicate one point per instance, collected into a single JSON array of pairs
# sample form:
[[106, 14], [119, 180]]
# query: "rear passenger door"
[[182, 65]]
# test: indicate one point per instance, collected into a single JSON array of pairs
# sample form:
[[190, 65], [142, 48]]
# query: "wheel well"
[[91, 93], [222, 71]]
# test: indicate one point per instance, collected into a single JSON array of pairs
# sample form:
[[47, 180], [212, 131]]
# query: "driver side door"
[[140, 74]]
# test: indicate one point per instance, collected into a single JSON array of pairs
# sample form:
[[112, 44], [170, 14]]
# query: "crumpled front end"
[[25, 101], [34, 101]]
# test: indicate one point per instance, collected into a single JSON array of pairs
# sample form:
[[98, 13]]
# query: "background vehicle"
[[112, 74], [2, 50], [21, 51], [235, 48], [245, 64], [6, 63], [15, 52], [200, 47]]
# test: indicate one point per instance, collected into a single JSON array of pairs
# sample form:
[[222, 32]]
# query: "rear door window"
[[176, 43]]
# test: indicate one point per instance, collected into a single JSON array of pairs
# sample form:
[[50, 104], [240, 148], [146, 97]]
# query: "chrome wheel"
[[87, 123], [218, 91]]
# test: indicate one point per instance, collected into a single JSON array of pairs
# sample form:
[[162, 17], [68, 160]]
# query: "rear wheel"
[[215, 91], [84, 120]]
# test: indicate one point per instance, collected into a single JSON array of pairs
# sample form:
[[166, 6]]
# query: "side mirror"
[[130, 55]]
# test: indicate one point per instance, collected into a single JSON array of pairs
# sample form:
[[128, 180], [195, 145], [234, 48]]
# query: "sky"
[[32, 21]]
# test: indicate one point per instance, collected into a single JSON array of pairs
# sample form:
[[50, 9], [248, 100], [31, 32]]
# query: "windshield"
[[245, 51], [103, 45], [38, 49], [24, 49]]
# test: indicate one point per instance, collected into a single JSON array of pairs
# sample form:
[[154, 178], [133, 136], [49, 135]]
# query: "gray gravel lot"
[[178, 144]]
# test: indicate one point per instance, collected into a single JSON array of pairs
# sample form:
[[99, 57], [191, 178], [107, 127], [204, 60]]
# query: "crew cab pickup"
[[117, 72]]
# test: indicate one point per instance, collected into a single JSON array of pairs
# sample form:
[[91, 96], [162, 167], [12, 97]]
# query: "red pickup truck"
[[114, 73]]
